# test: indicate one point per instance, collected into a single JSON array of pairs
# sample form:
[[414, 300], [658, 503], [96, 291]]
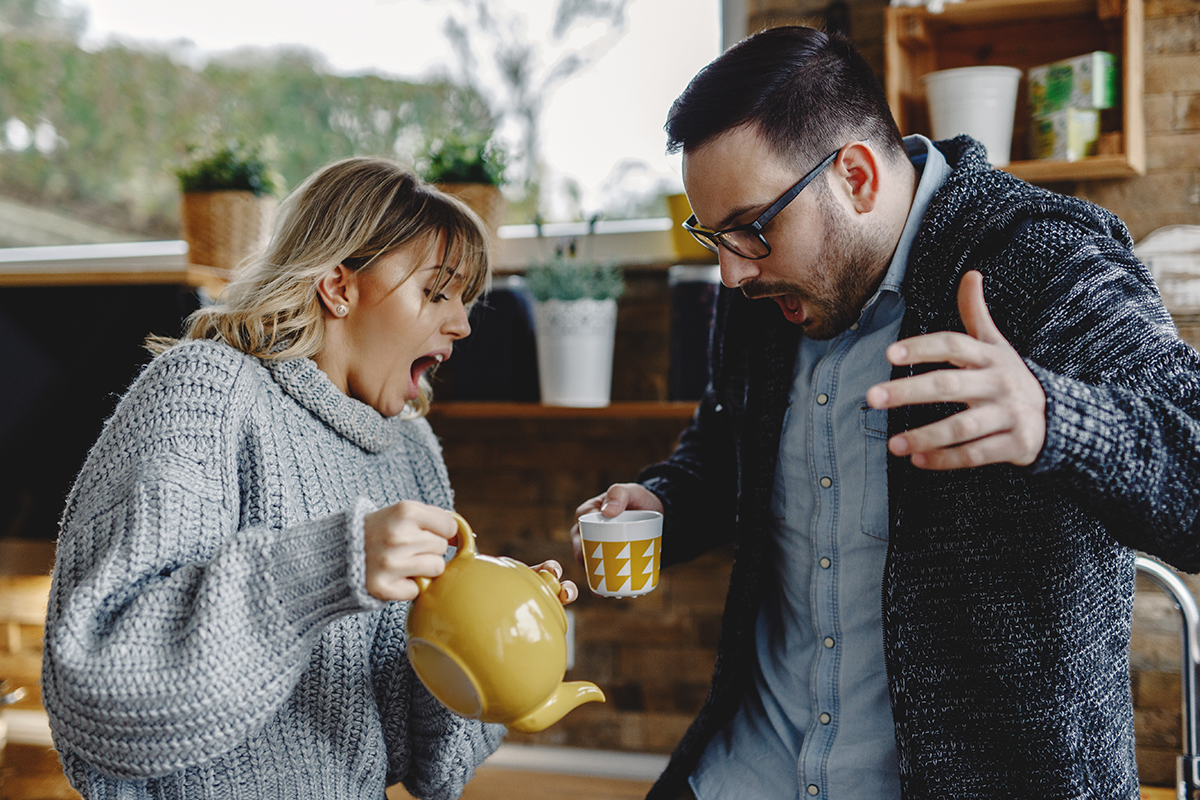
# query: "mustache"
[[756, 290]]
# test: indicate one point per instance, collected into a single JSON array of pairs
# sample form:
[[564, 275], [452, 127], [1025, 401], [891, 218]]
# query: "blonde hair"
[[351, 212]]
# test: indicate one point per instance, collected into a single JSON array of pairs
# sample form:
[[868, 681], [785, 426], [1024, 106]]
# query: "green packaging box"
[[1087, 81], [1069, 134]]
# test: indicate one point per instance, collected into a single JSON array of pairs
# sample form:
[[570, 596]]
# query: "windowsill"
[[634, 244]]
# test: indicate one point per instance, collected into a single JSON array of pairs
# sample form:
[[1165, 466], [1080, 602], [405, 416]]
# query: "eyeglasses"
[[748, 241]]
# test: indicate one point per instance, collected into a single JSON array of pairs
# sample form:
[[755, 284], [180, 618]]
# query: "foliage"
[[499, 58], [564, 278], [119, 121], [464, 158], [235, 165]]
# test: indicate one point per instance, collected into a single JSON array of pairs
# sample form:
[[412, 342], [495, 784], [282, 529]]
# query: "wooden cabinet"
[[1024, 34]]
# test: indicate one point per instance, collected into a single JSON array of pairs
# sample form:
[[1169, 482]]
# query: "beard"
[[851, 268]]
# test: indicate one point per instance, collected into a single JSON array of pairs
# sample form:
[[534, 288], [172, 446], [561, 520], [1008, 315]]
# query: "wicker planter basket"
[[223, 228], [485, 200]]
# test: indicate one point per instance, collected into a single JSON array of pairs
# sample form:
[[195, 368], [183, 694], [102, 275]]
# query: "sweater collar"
[[305, 383]]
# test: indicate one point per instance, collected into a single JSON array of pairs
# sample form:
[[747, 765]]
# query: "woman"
[[221, 621]]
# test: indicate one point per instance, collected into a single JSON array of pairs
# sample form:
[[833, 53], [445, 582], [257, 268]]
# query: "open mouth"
[[792, 307], [424, 363]]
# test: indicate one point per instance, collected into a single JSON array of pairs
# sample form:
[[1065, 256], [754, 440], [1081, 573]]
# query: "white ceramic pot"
[[978, 101], [575, 351]]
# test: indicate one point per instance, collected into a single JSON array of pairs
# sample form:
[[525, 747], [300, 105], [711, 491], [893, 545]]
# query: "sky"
[[613, 111]]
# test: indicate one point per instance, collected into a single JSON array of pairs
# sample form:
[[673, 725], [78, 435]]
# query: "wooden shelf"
[[1023, 34], [189, 275], [466, 409]]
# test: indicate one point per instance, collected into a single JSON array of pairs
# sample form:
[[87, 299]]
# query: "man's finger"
[[937, 348], [966, 426], [991, 450], [974, 311], [940, 386]]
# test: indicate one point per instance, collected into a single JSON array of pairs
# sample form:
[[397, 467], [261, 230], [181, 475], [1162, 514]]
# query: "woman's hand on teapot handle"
[[619, 497], [568, 591], [402, 542]]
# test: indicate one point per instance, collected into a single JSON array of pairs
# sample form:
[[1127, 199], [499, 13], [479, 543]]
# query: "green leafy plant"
[[563, 278], [234, 165], [571, 274], [465, 158]]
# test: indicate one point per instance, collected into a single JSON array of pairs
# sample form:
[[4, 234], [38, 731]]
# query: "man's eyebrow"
[[727, 220]]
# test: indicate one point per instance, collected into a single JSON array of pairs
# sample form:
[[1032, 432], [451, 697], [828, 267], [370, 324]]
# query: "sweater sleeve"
[[1122, 401], [172, 635]]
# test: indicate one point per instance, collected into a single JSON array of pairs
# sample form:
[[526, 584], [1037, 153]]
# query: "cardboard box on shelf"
[[1069, 134], [1088, 82]]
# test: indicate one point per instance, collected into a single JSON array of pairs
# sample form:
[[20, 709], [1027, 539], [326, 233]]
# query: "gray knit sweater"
[[209, 633]]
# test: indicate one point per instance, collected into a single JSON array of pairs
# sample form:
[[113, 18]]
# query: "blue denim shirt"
[[818, 722]]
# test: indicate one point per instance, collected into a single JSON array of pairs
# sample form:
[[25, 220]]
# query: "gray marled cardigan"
[[1008, 592], [209, 632]]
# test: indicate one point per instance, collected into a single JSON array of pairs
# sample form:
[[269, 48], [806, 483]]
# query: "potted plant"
[[227, 205], [575, 321], [469, 166]]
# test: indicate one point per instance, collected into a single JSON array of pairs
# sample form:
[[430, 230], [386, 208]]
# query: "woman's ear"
[[337, 290], [857, 169]]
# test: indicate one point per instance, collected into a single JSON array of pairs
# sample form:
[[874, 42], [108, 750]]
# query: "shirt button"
[[829, 641], [822, 399], [812, 788], [825, 718], [826, 483], [826, 563]]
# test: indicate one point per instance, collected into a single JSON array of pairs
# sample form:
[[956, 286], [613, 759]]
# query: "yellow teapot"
[[487, 637]]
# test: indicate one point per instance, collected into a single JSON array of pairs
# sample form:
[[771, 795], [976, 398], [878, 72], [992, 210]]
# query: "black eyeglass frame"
[[712, 239]]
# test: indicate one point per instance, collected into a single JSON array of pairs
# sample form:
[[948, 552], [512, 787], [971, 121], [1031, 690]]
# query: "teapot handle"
[[466, 548]]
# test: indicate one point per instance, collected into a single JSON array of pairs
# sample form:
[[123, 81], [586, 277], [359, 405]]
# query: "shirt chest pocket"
[[875, 489]]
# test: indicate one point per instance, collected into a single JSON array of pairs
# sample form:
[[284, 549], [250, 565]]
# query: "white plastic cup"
[[622, 554], [978, 101]]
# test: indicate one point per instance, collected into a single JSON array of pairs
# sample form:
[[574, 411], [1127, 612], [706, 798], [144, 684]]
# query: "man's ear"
[[856, 170], [337, 288]]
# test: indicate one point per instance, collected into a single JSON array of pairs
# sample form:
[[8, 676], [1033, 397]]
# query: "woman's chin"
[[395, 404]]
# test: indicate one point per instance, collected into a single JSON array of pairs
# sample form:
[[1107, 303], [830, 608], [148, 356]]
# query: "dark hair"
[[807, 92]]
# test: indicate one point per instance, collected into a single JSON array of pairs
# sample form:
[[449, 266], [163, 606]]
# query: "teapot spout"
[[567, 697]]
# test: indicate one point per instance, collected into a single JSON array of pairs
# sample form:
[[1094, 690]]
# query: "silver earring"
[[341, 309]]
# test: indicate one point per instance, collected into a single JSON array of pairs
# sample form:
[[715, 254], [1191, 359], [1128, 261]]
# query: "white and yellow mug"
[[622, 553]]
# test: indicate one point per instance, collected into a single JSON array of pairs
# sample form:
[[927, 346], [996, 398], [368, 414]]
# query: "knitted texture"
[[209, 633], [1008, 592]]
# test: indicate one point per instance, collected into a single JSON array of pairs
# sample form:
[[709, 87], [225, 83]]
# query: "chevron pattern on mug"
[[623, 568], [622, 554]]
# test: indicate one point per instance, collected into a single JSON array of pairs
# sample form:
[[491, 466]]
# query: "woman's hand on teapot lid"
[[402, 542], [568, 592]]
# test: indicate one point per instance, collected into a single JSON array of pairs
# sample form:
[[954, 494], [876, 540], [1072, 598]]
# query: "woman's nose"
[[458, 323]]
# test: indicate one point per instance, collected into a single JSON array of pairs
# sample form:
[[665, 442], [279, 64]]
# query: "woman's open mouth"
[[424, 363]]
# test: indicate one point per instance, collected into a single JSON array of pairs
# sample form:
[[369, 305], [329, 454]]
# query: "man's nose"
[[735, 270]]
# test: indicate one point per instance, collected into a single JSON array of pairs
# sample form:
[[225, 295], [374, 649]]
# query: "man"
[[874, 430]]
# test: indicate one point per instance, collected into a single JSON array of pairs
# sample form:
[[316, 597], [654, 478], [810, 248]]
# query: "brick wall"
[[1169, 192]]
